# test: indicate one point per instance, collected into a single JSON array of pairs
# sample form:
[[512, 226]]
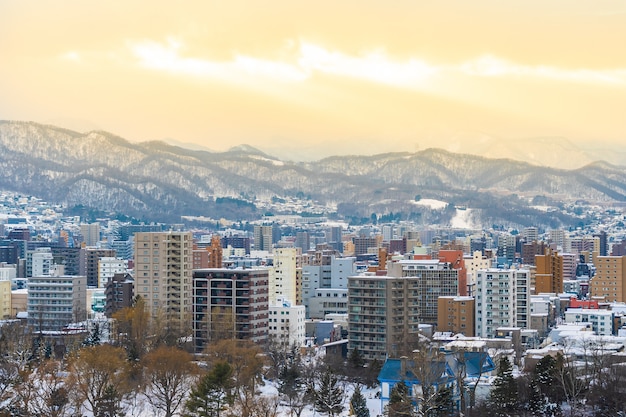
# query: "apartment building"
[[230, 303], [385, 312], [163, 267], [456, 315], [502, 300], [56, 300], [610, 279]]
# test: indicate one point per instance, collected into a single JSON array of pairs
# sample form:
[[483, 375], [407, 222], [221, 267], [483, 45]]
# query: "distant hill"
[[154, 180]]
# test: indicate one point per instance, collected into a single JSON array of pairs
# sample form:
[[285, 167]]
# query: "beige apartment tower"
[[610, 279], [163, 274], [456, 315]]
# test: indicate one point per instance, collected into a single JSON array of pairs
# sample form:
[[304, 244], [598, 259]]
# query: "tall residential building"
[[530, 234], [230, 303], [455, 258], [41, 261], [215, 252], [502, 300], [5, 295], [610, 279], [263, 237], [363, 245], [549, 272], [530, 250], [602, 247], [429, 280], [119, 293], [56, 300], [384, 312], [108, 267], [90, 233], [163, 268], [282, 276], [560, 239], [89, 258], [456, 315]]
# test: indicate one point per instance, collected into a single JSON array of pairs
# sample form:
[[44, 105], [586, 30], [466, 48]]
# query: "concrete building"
[[473, 264], [230, 303], [118, 293], [429, 280], [282, 276], [163, 268], [610, 279], [215, 252], [56, 300], [5, 297], [287, 324], [549, 272], [263, 238], [327, 301], [90, 233], [502, 300], [456, 315], [89, 258], [601, 320], [385, 312], [108, 267], [41, 262]]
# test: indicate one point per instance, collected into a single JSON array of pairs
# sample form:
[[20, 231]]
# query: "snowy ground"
[[138, 406]]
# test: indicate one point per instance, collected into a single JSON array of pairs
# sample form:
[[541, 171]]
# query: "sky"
[[316, 78]]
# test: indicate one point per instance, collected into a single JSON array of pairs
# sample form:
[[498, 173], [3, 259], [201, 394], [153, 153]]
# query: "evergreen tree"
[[355, 358], [109, 403], [212, 393], [400, 403], [328, 395], [444, 403], [539, 403], [358, 404], [502, 399]]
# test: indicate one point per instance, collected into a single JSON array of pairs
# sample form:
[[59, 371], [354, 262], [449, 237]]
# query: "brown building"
[[215, 252], [549, 272], [610, 279], [532, 249], [456, 315], [118, 293], [200, 257], [230, 303]]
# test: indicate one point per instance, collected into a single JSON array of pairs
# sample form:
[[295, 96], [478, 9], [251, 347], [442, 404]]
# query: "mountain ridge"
[[157, 180]]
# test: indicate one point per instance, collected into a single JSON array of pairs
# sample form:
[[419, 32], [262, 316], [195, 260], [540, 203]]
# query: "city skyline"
[[319, 78]]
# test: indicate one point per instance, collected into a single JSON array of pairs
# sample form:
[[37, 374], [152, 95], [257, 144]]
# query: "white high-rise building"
[[282, 279], [42, 260], [109, 266], [287, 323], [502, 300]]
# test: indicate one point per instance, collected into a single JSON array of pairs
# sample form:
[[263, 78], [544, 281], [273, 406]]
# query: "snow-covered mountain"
[[159, 181]]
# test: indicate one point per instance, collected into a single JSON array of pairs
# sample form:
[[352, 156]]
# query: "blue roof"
[[392, 372]]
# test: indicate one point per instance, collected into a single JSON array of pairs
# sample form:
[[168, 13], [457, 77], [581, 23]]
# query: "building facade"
[[230, 303], [502, 300], [163, 274]]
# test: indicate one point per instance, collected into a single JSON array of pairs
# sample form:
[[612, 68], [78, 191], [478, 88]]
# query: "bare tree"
[[169, 373], [99, 376]]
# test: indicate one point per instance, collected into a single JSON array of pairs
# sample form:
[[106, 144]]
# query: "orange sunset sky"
[[318, 77]]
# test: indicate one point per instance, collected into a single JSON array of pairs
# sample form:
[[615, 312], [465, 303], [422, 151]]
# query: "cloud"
[[308, 59], [491, 66]]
